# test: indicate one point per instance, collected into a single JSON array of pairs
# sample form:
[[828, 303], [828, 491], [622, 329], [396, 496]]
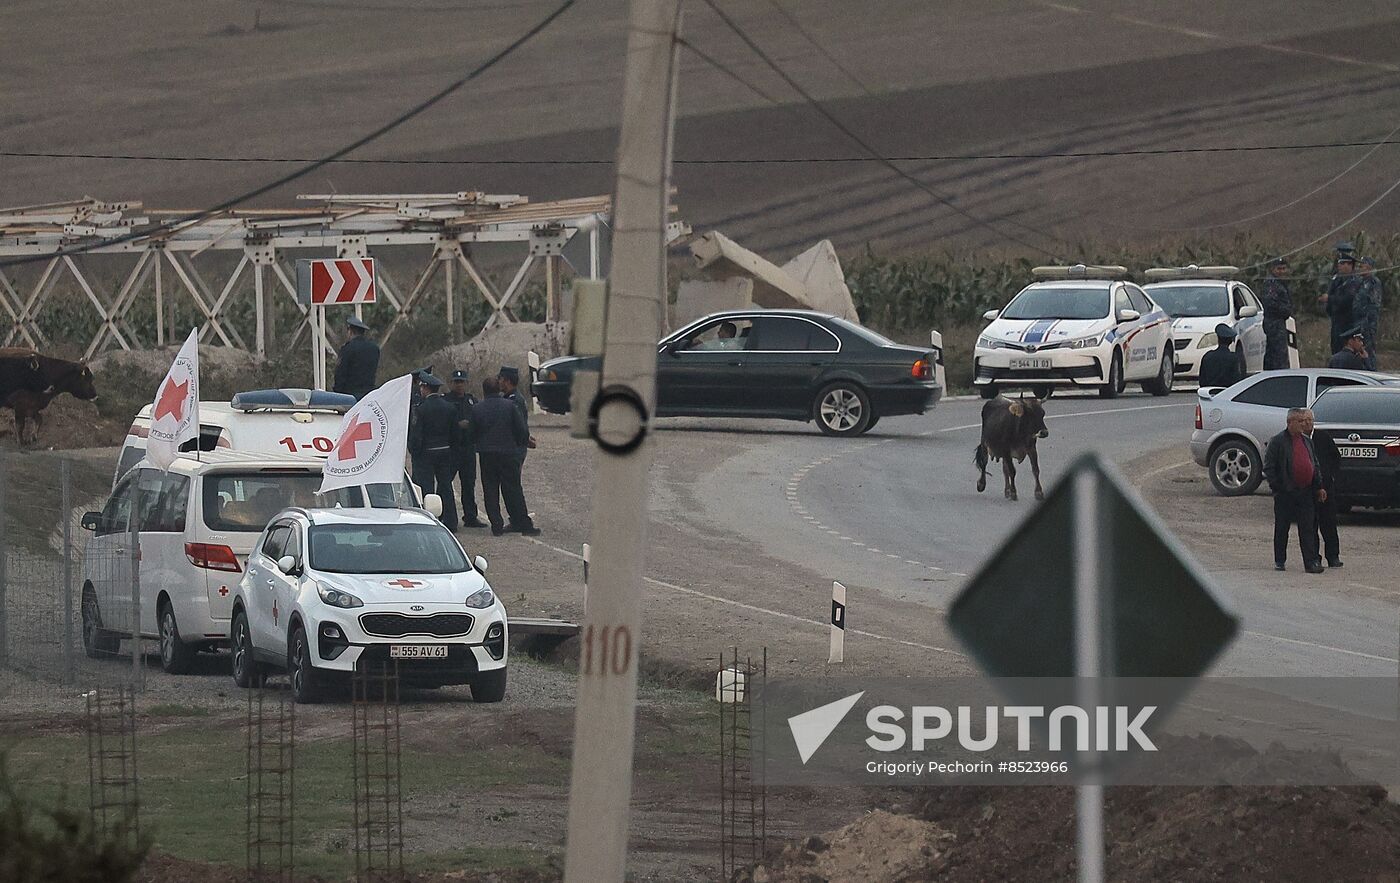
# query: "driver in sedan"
[[728, 339]]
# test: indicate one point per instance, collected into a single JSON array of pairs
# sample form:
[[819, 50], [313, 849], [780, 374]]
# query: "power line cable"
[[835, 62], [397, 121], [1343, 225], [726, 70], [863, 145], [717, 161]]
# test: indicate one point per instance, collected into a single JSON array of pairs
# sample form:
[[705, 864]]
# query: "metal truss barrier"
[[570, 231]]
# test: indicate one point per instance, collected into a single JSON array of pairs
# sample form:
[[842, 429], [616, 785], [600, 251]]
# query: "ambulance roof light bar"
[[1080, 271], [1191, 272]]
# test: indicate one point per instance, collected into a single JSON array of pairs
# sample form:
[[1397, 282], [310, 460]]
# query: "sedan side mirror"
[[991, 315], [91, 520], [672, 348], [1248, 312], [479, 563], [432, 504], [287, 564], [1129, 315]]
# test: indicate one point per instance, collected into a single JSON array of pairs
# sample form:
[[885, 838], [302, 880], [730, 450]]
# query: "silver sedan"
[[1233, 425]]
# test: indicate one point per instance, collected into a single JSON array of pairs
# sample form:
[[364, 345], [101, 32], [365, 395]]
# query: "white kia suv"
[[330, 590]]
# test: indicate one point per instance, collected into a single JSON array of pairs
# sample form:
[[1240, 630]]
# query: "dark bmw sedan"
[[788, 364], [1365, 424]]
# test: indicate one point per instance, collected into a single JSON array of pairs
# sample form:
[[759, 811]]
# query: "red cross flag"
[[175, 412], [373, 439]]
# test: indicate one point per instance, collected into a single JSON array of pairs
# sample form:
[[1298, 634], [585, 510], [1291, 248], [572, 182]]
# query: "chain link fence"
[[69, 604]]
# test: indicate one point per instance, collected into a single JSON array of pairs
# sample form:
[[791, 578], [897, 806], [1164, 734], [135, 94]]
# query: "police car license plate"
[[1030, 363], [417, 651], [1363, 453]]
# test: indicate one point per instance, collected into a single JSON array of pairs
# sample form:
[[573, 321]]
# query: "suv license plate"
[[417, 651], [1030, 363], [1363, 453]]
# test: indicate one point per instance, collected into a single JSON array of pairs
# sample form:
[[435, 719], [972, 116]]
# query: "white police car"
[[1200, 298], [1080, 326], [327, 590]]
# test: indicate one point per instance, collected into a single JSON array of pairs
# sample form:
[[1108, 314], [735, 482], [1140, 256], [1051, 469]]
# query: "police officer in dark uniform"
[[358, 362], [1221, 366], [1367, 307], [1341, 298], [509, 379], [1278, 309], [463, 401], [1352, 355], [500, 433], [433, 442]]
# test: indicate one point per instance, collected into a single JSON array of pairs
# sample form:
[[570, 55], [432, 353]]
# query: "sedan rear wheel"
[[1161, 385], [843, 409], [1235, 469]]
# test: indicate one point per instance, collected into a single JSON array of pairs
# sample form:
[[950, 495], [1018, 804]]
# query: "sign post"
[[326, 282], [1127, 602]]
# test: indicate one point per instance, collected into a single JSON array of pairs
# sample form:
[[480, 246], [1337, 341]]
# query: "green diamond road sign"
[[1155, 612]]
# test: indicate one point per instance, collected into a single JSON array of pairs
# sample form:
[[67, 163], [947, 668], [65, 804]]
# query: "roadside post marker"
[[532, 359], [838, 623], [587, 551]]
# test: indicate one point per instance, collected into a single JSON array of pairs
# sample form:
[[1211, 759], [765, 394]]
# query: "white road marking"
[[1321, 646], [1160, 469], [821, 623]]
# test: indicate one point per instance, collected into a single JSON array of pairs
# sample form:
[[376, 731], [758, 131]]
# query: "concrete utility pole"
[[605, 724]]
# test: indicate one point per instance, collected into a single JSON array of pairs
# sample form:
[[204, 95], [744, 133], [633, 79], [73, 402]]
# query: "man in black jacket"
[[465, 453], [358, 362], [1329, 462], [1221, 366], [509, 379], [1291, 468], [1352, 355], [432, 442], [498, 429]]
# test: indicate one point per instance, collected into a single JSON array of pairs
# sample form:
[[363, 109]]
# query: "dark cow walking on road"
[[1009, 432], [29, 381]]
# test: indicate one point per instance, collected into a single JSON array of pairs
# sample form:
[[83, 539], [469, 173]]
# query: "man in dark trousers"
[[499, 431], [358, 363], [1278, 309], [1367, 309], [1221, 366], [1352, 354], [509, 378], [1341, 298], [432, 444], [1291, 468], [1329, 463], [465, 453]]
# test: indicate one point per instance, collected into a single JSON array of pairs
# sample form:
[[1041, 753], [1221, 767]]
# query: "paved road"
[[898, 510]]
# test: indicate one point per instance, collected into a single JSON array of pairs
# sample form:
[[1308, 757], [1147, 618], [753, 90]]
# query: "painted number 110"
[[607, 650]]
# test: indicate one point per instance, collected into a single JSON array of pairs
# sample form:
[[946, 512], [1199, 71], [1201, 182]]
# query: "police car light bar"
[[1080, 271], [1191, 272], [292, 400]]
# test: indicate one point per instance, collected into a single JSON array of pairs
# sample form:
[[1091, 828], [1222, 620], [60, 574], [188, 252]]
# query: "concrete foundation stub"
[[699, 297], [819, 270]]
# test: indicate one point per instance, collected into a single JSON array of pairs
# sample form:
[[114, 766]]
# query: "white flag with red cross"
[[373, 439], [175, 412]]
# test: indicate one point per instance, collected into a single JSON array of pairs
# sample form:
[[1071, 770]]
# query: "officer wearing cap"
[[432, 444], [499, 431], [1278, 309], [358, 362], [1341, 297], [1352, 354], [1367, 307], [465, 452], [1221, 366]]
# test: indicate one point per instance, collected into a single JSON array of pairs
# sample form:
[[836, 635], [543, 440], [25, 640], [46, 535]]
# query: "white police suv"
[[1199, 298], [1080, 326], [327, 590]]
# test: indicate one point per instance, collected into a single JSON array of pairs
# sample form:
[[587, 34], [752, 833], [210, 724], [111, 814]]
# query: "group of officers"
[[1353, 305], [451, 433]]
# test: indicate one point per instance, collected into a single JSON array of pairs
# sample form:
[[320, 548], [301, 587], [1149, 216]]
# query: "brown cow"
[[29, 381], [1009, 432]]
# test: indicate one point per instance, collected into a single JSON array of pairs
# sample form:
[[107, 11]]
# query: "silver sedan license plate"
[[1030, 363], [1363, 453], [417, 651]]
